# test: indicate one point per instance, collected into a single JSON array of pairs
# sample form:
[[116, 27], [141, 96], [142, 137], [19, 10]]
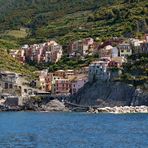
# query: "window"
[[10, 86], [25, 90], [74, 90], [6, 85], [128, 50]]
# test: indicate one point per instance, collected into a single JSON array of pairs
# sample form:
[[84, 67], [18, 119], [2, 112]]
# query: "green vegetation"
[[65, 63], [5, 44], [10, 38], [16, 33], [68, 20], [136, 70], [10, 64]]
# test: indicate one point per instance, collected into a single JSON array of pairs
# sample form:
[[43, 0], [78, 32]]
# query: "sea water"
[[73, 130]]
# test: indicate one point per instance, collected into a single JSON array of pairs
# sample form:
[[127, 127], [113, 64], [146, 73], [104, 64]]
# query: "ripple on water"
[[73, 130]]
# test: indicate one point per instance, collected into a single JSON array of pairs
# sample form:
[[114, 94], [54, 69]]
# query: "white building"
[[98, 70], [115, 52], [77, 84], [136, 45], [8, 80]]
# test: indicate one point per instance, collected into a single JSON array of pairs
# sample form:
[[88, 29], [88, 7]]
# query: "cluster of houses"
[[110, 48], [62, 82], [49, 52], [112, 55], [52, 52], [13, 91]]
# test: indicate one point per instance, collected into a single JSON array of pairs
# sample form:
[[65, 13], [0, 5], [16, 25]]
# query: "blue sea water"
[[73, 130]]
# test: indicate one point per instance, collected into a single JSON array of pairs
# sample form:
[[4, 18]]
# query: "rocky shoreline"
[[52, 106], [120, 110], [4, 108], [55, 106]]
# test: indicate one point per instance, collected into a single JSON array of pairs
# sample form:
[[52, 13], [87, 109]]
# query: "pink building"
[[45, 52], [77, 84], [62, 86], [21, 56]]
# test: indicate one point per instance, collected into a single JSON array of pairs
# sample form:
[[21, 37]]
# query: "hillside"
[[10, 64], [135, 71], [67, 20]]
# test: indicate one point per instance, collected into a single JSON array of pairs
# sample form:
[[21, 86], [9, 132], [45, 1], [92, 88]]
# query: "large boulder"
[[54, 105]]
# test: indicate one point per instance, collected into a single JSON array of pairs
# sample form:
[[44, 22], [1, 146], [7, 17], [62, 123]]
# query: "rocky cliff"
[[110, 94]]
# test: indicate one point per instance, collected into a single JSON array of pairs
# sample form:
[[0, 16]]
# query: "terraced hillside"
[[67, 20]]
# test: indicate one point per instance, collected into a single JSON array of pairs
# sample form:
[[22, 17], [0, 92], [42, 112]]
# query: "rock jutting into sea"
[[45, 105], [120, 110], [54, 105]]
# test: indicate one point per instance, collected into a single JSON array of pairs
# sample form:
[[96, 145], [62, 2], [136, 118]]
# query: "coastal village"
[[112, 54], [73, 73]]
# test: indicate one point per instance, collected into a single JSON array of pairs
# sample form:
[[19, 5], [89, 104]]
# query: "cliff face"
[[109, 94]]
